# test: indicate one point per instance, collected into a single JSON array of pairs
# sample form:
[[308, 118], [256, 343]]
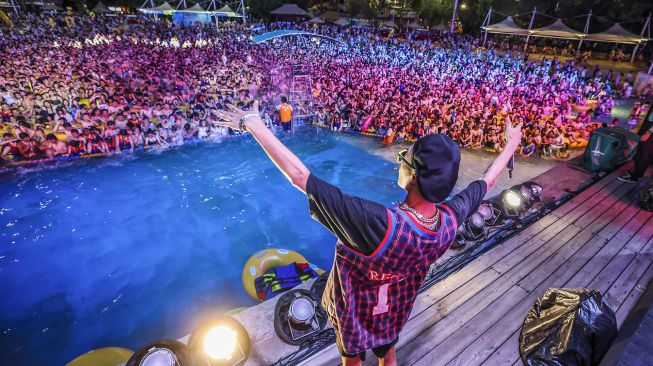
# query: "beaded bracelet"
[[245, 117]]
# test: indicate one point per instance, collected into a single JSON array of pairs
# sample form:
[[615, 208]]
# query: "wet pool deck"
[[600, 239]]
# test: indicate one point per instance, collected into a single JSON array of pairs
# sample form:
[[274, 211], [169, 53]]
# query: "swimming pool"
[[122, 251]]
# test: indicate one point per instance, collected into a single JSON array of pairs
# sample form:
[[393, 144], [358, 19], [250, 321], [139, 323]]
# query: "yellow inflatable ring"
[[108, 356], [265, 260], [61, 136]]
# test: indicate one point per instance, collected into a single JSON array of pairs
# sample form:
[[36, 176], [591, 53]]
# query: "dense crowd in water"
[[78, 85]]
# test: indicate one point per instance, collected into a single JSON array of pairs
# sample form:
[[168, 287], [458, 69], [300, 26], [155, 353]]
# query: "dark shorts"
[[286, 125], [379, 351]]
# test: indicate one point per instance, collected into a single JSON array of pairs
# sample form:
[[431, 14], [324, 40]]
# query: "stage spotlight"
[[535, 190], [298, 315], [165, 352], [222, 341], [474, 228], [512, 203], [491, 214]]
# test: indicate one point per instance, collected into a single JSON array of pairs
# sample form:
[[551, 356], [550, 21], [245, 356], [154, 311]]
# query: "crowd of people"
[[84, 85]]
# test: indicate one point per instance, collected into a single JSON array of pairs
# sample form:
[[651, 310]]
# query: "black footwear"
[[627, 177]]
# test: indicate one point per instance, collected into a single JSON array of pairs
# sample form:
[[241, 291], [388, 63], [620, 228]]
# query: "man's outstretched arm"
[[283, 158], [494, 171]]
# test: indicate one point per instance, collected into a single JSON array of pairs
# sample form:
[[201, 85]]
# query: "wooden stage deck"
[[600, 239]]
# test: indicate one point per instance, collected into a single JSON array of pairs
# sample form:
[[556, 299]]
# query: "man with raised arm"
[[382, 254]]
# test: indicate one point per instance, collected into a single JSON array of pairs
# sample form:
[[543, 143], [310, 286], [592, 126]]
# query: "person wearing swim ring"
[[382, 254]]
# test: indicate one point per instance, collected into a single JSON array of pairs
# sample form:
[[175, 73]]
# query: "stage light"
[[535, 190], [222, 341], [491, 214], [165, 352], [297, 316], [512, 203], [513, 199]]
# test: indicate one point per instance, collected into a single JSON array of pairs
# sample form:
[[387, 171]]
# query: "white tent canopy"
[[390, 24], [197, 8], [51, 7], [225, 9], [414, 25], [557, 30], [440, 27], [100, 8], [159, 9], [615, 34], [290, 9], [506, 26], [316, 20], [342, 21]]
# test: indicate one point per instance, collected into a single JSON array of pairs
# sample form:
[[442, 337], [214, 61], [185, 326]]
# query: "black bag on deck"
[[646, 196], [567, 327]]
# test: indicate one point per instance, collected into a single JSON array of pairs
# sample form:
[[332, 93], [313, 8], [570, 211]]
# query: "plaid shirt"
[[369, 298]]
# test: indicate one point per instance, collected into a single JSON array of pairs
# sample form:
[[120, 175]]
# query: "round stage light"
[[490, 214], [298, 316], [512, 199], [512, 203], [166, 352], [302, 310], [221, 341]]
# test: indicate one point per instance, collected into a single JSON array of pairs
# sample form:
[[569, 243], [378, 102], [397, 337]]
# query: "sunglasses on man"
[[401, 157]]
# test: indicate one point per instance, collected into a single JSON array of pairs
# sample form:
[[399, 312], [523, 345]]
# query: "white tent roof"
[[441, 27], [329, 15], [342, 21], [163, 7], [316, 20], [51, 6], [197, 8], [390, 24], [290, 9], [413, 25], [362, 23], [225, 9], [557, 30], [506, 26], [615, 34], [100, 8]]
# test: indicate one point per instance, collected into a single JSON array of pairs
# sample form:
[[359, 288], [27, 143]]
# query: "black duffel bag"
[[567, 327]]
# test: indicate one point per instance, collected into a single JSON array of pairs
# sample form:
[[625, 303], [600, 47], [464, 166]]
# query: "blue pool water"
[[122, 251]]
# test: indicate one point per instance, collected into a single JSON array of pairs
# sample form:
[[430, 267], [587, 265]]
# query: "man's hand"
[[514, 133], [232, 118]]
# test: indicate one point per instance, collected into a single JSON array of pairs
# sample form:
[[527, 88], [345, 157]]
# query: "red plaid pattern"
[[369, 298]]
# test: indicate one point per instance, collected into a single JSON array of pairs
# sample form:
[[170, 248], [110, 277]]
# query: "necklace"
[[427, 223]]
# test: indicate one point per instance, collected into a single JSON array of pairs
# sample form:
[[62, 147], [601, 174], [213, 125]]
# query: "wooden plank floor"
[[599, 239]]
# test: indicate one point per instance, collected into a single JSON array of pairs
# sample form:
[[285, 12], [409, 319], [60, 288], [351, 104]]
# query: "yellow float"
[[265, 260], [61, 136], [108, 356]]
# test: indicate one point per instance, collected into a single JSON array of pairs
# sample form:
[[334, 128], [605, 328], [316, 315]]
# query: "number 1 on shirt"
[[381, 306]]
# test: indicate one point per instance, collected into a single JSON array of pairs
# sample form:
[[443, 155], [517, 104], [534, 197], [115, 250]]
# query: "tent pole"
[[486, 22], [453, 18], [650, 68], [586, 29], [242, 11], [641, 34], [530, 26]]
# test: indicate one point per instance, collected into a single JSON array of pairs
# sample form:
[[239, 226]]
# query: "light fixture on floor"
[[222, 341], [166, 352], [490, 213], [297, 316]]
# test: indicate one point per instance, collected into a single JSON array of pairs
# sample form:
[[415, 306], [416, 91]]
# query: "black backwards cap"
[[436, 158]]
